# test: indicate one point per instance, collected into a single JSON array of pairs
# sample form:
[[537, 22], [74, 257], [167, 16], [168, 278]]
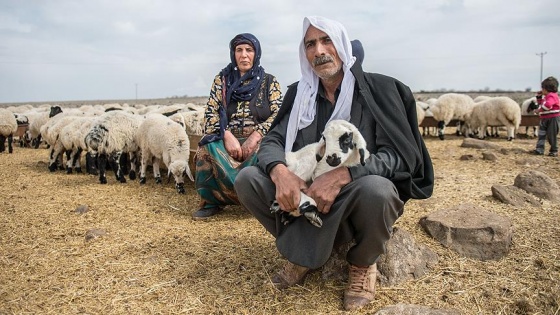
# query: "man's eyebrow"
[[314, 40]]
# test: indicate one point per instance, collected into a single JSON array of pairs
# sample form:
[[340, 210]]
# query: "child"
[[549, 114]]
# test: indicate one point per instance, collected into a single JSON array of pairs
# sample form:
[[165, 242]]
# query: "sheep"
[[38, 121], [529, 107], [162, 139], [111, 135], [497, 111], [72, 138], [341, 144], [8, 126], [451, 106], [192, 120]]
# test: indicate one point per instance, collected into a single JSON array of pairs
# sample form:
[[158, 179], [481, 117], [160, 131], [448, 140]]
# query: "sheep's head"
[[344, 144], [179, 169]]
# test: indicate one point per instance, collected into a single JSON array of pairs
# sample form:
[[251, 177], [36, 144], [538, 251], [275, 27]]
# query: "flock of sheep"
[[110, 135], [476, 115], [125, 137]]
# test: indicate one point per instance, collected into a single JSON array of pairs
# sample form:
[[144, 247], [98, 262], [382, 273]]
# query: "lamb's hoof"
[[79, 170], [441, 137], [158, 180], [310, 212], [132, 175], [142, 180], [122, 179], [103, 180], [52, 167], [68, 170], [275, 207], [314, 219], [510, 139]]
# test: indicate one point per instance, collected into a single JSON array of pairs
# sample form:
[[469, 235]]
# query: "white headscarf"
[[304, 108]]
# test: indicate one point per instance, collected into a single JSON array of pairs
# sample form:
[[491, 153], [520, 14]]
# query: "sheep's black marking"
[[345, 142]]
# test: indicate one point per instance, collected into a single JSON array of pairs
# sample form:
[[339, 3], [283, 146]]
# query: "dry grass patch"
[[153, 259]]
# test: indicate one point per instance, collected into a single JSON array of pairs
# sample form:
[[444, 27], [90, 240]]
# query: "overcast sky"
[[104, 49]]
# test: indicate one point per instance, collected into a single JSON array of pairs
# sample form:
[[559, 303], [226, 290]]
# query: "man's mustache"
[[322, 60]]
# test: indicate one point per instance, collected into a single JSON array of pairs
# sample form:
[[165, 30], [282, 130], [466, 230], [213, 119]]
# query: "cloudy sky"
[[105, 50]]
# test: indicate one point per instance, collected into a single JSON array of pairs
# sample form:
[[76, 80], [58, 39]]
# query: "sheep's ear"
[[362, 156], [321, 148]]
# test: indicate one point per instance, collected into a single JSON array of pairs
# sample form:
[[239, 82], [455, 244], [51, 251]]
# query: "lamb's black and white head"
[[344, 144], [179, 169]]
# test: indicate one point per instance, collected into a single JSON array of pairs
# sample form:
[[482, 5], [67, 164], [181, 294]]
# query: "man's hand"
[[288, 187], [326, 187], [232, 146], [250, 145]]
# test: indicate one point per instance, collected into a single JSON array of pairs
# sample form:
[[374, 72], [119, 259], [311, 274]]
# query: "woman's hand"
[[288, 187], [250, 145], [232, 146]]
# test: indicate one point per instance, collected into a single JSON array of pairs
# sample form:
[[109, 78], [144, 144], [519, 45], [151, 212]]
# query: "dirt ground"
[[150, 257]]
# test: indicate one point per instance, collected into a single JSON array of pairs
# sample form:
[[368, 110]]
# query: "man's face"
[[321, 53]]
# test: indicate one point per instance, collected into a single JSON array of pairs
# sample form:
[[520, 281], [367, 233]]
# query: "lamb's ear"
[[362, 156], [169, 176], [361, 146], [320, 149]]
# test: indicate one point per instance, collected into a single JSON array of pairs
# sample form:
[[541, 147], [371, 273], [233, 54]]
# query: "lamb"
[[342, 144], [497, 111], [529, 107], [8, 126], [111, 135], [451, 106], [162, 139]]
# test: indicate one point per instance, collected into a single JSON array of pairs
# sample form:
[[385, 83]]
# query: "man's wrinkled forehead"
[[314, 34]]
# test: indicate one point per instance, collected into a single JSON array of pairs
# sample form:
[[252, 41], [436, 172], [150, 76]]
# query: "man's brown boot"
[[289, 275], [361, 287]]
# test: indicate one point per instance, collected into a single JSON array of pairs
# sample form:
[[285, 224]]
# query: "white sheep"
[[8, 126], [497, 111], [529, 107], [451, 106], [37, 122], [72, 138], [162, 139], [341, 144], [111, 135]]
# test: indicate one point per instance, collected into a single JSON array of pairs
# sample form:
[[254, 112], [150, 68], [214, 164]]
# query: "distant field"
[[517, 96], [155, 101]]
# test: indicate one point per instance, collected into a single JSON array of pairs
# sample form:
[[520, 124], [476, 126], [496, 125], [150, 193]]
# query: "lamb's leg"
[[307, 207], [133, 158], [102, 164], [157, 174], [10, 141]]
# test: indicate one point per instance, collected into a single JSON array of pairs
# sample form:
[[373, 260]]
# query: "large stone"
[[470, 231], [404, 259], [514, 196], [411, 309], [538, 184], [478, 144]]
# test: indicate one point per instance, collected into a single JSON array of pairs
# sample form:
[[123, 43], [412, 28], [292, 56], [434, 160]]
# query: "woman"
[[244, 100]]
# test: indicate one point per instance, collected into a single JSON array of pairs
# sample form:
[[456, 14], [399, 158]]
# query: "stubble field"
[[137, 250]]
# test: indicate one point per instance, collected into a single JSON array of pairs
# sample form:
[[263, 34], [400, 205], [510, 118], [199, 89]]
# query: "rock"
[[411, 309], [470, 231], [489, 156], [94, 233], [404, 259], [538, 184], [81, 209], [514, 196], [467, 157], [478, 144]]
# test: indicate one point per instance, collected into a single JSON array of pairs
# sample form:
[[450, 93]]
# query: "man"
[[359, 203]]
